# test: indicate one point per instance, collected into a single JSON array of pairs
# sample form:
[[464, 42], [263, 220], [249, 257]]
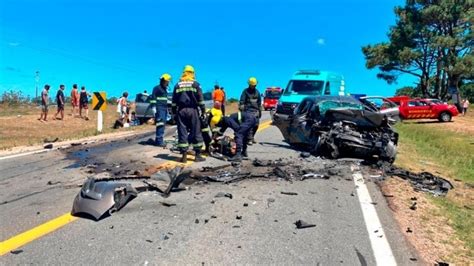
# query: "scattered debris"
[[300, 224], [111, 227], [440, 263], [76, 144], [50, 183], [50, 141], [413, 206], [409, 230], [48, 146], [238, 217], [424, 181], [196, 221], [16, 252], [246, 204], [164, 236], [223, 194], [305, 155], [362, 260], [149, 241], [166, 204], [289, 193]]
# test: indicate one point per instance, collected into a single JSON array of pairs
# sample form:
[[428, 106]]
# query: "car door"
[[418, 109], [299, 129]]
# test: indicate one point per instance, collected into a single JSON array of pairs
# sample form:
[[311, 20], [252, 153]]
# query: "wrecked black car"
[[339, 126]]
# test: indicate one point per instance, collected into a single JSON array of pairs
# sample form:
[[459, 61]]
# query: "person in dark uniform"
[[251, 102], [241, 123], [159, 98], [188, 107]]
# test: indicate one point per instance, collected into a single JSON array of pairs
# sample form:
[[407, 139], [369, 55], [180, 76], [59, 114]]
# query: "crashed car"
[[339, 126]]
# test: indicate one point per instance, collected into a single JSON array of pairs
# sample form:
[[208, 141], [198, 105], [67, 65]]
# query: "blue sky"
[[126, 45]]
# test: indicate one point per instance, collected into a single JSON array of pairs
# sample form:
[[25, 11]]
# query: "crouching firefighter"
[[205, 123], [241, 123], [186, 104], [160, 100]]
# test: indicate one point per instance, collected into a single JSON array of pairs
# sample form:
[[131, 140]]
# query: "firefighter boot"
[[198, 157], [184, 158], [245, 155]]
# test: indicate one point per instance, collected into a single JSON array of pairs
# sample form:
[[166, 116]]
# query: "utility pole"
[[37, 79]]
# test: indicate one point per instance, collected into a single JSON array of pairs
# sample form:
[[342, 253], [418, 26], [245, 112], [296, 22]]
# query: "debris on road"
[[16, 252], [413, 206], [223, 194], [289, 193], [166, 204], [50, 141], [300, 224]]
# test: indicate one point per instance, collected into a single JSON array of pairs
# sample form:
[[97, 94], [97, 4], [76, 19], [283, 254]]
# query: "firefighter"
[[205, 123], [159, 98], [186, 104], [241, 123], [251, 102]]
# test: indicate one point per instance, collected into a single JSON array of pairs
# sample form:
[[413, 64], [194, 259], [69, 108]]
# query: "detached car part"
[[98, 198]]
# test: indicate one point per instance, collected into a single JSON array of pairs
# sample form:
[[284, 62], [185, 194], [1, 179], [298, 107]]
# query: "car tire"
[[444, 117]]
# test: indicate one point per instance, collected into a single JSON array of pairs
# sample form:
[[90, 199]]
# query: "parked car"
[[339, 126], [422, 109], [144, 110]]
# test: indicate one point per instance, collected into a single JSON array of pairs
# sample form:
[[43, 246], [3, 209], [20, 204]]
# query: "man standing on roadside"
[[75, 100], [159, 98], [218, 96], [465, 106], [187, 101], [60, 101], [44, 104], [83, 103], [251, 101]]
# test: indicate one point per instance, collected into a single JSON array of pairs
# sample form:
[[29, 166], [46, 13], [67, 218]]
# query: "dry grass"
[[19, 125]]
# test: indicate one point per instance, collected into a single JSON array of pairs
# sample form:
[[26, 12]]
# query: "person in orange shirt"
[[218, 95], [75, 100]]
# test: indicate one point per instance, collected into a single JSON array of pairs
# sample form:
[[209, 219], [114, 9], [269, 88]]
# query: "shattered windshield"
[[313, 87], [324, 106]]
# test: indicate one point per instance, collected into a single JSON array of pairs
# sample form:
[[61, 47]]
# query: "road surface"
[[354, 225]]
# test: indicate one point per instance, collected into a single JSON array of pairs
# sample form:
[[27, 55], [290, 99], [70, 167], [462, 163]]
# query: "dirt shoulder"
[[440, 228], [19, 126]]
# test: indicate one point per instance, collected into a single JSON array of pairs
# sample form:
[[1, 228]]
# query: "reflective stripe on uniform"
[[239, 117], [173, 104], [216, 129], [160, 124], [161, 98], [179, 90], [183, 145], [152, 101], [198, 145], [206, 129], [201, 103]]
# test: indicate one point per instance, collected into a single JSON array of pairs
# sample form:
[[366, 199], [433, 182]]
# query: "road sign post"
[[99, 104]]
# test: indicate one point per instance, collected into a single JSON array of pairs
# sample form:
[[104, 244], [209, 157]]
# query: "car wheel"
[[444, 117]]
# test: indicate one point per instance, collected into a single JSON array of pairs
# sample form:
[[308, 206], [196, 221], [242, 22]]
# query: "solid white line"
[[23, 154], [378, 240]]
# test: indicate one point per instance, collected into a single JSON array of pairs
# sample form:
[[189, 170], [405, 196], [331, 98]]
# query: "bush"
[[13, 97]]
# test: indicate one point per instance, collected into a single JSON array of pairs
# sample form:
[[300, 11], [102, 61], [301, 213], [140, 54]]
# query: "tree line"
[[431, 40]]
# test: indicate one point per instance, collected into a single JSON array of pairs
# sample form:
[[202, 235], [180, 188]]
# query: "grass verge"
[[452, 155]]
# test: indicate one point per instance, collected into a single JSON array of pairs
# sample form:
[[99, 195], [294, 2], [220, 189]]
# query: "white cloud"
[[14, 44], [321, 41]]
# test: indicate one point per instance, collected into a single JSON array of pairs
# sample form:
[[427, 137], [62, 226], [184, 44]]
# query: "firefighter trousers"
[[160, 119], [189, 128]]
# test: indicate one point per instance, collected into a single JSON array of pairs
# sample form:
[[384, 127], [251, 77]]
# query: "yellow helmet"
[[166, 77], [188, 68], [253, 81], [216, 116]]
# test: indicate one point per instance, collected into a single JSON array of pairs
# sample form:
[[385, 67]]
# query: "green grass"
[[454, 154], [453, 151]]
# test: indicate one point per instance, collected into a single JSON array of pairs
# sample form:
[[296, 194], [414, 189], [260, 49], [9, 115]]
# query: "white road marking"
[[378, 240]]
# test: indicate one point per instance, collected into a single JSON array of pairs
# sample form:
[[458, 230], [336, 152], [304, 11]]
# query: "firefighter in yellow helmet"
[[251, 102], [159, 98], [188, 107]]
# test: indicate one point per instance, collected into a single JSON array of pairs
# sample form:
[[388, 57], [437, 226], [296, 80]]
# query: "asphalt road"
[[200, 229]]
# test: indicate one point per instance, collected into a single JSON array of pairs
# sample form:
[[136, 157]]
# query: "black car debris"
[[339, 126]]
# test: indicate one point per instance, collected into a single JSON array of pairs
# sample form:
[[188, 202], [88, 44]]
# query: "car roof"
[[332, 98]]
